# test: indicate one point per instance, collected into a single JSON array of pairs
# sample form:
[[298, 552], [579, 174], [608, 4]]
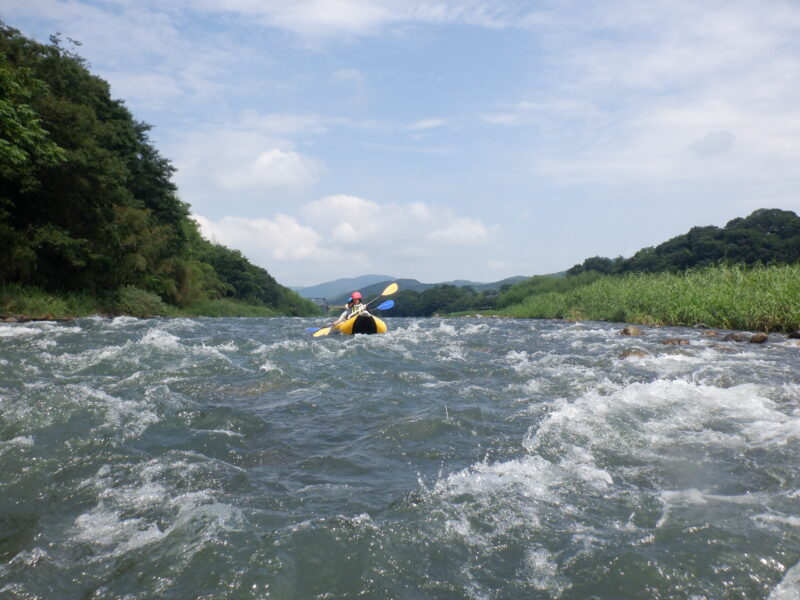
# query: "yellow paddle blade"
[[323, 331], [390, 289]]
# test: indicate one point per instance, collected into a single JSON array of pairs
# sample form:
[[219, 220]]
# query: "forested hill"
[[87, 203], [766, 236]]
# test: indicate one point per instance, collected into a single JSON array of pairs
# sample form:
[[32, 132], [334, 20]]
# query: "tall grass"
[[29, 302], [762, 298], [543, 284], [34, 303]]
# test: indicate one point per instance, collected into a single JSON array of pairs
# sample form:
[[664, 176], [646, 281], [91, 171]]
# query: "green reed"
[[28, 302], [31, 302], [761, 298]]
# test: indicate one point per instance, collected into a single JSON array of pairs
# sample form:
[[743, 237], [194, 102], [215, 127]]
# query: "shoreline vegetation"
[[738, 297], [20, 303]]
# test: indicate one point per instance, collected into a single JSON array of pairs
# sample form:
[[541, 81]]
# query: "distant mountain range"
[[338, 291], [337, 287]]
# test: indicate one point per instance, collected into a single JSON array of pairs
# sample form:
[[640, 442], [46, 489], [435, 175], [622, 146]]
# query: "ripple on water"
[[236, 458]]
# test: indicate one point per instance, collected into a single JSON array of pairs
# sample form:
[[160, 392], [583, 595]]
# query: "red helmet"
[[355, 296]]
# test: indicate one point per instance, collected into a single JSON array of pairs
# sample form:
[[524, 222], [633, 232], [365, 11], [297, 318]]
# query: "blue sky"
[[452, 139]]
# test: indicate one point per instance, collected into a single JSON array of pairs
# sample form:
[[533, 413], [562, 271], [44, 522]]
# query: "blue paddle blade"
[[385, 305], [312, 328]]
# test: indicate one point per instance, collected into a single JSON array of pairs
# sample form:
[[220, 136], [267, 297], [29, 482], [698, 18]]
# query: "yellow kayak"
[[362, 324]]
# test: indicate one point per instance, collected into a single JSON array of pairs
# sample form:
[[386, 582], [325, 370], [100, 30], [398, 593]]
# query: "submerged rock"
[[675, 342], [736, 337], [631, 330], [759, 338], [795, 335], [711, 332], [633, 352]]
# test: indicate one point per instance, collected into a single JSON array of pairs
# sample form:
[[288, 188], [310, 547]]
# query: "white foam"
[[123, 321], [451, 353], [130, 417], [126, 493], [21, 441], [543, 571], [789, 587], [644, 419], [161, 339], [226, 432], [473, 329], [777, 521], [9, 331], [269, 367]]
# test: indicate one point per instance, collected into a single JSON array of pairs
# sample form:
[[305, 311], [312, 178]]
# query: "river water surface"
[[496, 459]]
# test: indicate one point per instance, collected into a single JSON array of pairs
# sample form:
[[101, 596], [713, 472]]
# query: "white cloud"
[[342, 207], [671, 92], [461, 231], [350, 76], [263, 240], [714, 142], [425, 124], [272, 168], [252, 155], [334, 18], [345, 234]]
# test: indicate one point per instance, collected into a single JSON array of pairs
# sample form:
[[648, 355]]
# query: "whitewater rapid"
[[458, 458]]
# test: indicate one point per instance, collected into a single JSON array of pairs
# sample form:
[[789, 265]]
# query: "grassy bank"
[[25, 302], [730, 297]]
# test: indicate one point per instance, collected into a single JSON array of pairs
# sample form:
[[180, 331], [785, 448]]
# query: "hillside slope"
[[87, 203]]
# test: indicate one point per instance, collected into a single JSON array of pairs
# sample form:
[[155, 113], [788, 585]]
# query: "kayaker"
[[353, 307]]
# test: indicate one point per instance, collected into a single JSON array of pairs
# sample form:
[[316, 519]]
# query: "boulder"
[[721, 348], [736, 337], [635, 352], [675, 342], [758, 338], [631, 330], [711, 332], [795, 335]]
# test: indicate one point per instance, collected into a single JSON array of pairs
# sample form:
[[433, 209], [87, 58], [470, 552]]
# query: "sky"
[[451, 139]]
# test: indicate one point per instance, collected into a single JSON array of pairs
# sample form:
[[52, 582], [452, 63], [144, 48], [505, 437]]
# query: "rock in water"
[[631, 330], [736, 337]]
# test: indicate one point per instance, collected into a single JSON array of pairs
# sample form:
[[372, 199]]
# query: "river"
[[447, 459]]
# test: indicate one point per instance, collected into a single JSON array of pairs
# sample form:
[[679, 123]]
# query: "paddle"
[[390, 289]]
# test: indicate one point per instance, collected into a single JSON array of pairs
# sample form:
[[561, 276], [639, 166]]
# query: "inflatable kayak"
[[362, 324]]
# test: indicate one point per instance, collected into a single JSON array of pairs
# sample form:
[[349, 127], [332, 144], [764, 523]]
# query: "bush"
[[132, 301]]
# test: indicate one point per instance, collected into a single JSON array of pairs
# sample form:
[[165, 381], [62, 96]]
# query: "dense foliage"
[[87, 203], [766, 236]]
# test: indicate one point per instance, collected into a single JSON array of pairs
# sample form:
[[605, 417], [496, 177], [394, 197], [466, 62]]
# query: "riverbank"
[[762, 298], [25, 303]]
